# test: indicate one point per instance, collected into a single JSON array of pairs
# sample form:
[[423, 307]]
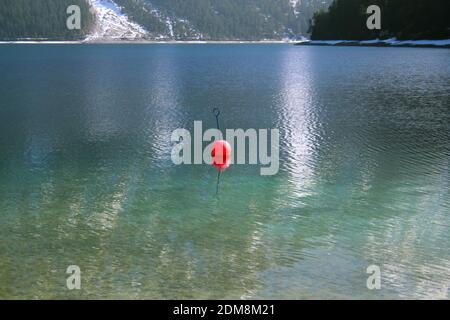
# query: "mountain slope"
[[159, 19], [112, 24], [222, 19]]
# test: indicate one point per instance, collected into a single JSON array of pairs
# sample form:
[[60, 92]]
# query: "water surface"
[[86, 177]]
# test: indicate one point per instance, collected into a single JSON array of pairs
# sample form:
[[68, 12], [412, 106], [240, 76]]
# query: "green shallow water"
[[86, 176]]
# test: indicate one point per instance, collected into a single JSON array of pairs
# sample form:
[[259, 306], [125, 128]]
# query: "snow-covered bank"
[[438, 43], [393, 42]]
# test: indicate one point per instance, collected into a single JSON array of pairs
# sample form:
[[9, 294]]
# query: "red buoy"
[[221, 154]]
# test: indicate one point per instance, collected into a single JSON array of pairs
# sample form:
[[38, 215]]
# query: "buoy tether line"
[[221, 152], [216, 112]]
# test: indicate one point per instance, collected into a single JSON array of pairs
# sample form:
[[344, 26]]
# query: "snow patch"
[[391, 41], [170, 26], [294, 3], [113, 24], [395, 42], [294, 6]]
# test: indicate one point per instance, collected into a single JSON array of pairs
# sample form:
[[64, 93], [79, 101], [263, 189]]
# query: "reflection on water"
[[86, 176]]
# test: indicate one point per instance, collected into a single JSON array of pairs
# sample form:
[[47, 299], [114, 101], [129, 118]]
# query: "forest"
[[237, 19], [225, 19], [189, 19], [41, 19], [403, 19]]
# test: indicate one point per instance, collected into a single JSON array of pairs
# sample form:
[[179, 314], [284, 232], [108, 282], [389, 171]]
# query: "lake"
[[86, 176]]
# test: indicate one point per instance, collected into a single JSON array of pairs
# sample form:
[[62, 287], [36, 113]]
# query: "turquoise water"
[[86, 176]]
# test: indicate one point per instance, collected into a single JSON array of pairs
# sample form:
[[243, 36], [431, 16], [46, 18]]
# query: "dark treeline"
[[41, 19], [404, 19]]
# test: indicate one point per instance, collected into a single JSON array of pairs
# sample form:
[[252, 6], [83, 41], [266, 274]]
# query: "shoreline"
[[393, 43], [106, 41]]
